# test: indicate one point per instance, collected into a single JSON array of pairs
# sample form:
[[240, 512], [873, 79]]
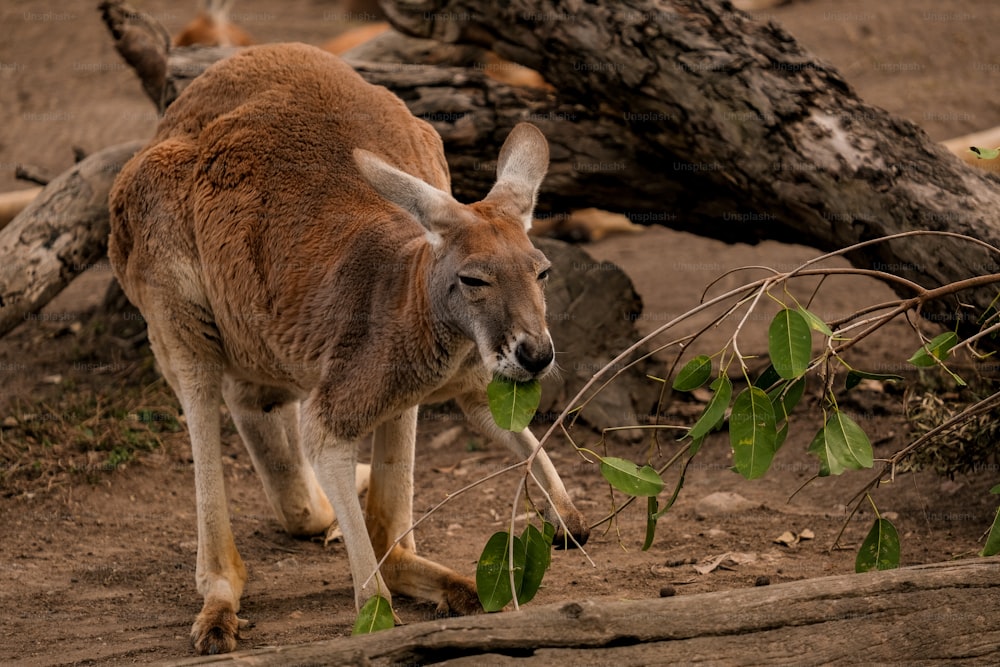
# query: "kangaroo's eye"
[[544, 275], [472, 281]]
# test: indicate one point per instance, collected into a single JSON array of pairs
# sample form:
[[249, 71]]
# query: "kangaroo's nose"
[[534, 357]]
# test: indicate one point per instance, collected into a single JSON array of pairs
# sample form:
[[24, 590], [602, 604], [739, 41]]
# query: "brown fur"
[[290, 238]]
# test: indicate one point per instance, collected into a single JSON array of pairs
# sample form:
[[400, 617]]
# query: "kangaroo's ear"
[[521, 167], [433, 208]]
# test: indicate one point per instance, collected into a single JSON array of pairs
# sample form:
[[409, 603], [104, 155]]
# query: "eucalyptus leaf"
[[849, 442], [936, 350], [789, 342], [713, 414], [652, 515], [992, 547], [818, 447], [626, 476], [493, 571], [880, 550], [768, 378], [513, 404], [786, 396], [854, 377], [537, 557], [694, 374], [814, 321], [841, 445], [375, 615], [752, 432]]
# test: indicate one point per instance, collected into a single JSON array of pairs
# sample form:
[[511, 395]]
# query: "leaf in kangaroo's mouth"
[[512, 403]]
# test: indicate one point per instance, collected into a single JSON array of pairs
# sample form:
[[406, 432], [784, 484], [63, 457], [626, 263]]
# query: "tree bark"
[[926, 613], [58, 235]]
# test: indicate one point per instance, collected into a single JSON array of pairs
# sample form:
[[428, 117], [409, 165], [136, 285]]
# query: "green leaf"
[[934, 351], [785, 397], [715, 411], [652, 509], [993, 539], [985, 153], [818, 447], [849, 441], [493, 571], [752, 432], [841, 445], [855, 377], [375, 615], [537, 557], [694, 374], [880, 550], [513, 404], [768, 378], [995, 489], [789, 342], [815, 323], [630, 478]]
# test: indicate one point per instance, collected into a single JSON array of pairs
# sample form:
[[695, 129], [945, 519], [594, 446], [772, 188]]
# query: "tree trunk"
[[926, 613], [58, 235]]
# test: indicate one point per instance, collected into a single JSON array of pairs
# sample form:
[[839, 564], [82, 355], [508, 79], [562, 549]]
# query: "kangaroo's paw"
[[216, 629], [460, 598]]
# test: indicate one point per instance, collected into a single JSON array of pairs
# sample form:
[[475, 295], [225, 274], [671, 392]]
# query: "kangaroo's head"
[[487, 279]]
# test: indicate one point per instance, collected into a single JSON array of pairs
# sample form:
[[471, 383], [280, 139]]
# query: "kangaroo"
[[290, 238]]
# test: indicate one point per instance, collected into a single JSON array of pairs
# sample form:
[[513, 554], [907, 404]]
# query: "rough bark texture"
[[768, 141], [60, 233], [927, 613]]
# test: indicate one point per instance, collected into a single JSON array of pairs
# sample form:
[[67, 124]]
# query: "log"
[[924, 613], [58, 235], [768, 141]]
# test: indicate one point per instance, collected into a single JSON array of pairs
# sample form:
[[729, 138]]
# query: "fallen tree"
[[62, 232], [926, 613]]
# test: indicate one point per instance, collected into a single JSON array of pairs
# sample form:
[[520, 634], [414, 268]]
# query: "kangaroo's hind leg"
[[267, 419]]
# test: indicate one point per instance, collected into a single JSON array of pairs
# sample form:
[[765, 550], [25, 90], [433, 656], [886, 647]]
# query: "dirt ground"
[[97, 549]]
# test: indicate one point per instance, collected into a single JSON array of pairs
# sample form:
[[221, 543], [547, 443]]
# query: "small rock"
[[289, 562], [722, 502], [8, 422], [667, 591], [762, 580]]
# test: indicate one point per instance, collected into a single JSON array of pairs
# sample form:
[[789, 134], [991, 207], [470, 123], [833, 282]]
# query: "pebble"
[[722, 502]]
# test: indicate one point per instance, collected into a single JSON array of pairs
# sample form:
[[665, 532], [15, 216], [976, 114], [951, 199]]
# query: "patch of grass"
[[82, 433], [968, 447]]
